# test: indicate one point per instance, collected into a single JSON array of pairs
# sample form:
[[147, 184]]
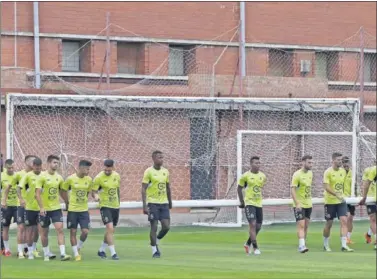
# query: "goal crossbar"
[[220, 203]]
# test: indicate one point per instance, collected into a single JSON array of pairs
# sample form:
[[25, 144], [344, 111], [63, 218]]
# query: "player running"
[[369, 180], [252, 182], [47, 191], [21, 231], [156, 197], [9, 202], [347, 193], [107, 183], [301, 190], [79, 185], [28, 184], [335, 205]]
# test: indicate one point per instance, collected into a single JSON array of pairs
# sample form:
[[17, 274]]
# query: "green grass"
[[194, 252]]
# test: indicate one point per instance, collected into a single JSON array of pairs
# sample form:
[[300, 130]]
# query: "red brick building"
[[308, 49]]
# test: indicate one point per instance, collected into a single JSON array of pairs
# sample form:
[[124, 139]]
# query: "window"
[[130, 58], [71, 56], [181, 60], [280, 63], [326, 65], [369, 67], [321, 64]]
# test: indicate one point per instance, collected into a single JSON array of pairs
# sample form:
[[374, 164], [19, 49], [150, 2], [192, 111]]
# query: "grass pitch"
[[196, 252]]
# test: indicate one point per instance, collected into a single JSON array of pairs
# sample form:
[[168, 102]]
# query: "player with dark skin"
[[252, 182], [156, 197]]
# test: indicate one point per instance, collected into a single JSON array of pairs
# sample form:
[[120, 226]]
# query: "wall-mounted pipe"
[[36, 46]]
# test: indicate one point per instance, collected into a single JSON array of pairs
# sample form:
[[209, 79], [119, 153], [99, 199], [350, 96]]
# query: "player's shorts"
[[78, 218], [54, 216], [110, 215], [371, 208], [351, 209], [254, 213], [302, 214], [31, 217], [335, 210], [7, 214], [20, 215], [158, 212]]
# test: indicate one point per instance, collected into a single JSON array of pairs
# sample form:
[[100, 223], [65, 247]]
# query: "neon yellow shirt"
[[20, 175], [334, 178], [28, 183], [253, 184], [302, 182], [348, 184], [157, 181], [11, 180], [370, 175], [108, 189], [79, 190], [50, 185]]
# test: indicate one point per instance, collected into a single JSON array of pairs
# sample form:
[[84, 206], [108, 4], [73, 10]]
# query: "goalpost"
[[207, 143]]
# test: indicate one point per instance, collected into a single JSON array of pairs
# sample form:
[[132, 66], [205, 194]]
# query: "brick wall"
[[312, 23]]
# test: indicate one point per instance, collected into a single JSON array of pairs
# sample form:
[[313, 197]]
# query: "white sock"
[[62, 249], [6, 245], [158, 241], [301, 242], [112, 250], [81, 243], [25, 245], [375, 237], [103, 247], [30, 250], [370, 232], [46, 251], [34, 246], [326, 241], [343, 239], [75, 251], [154, 249], [20, 248], [349, 235]]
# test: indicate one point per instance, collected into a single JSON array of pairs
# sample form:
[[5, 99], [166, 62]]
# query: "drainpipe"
[[36, 46]]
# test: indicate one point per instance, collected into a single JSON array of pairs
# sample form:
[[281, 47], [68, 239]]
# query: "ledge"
[[184, 42]]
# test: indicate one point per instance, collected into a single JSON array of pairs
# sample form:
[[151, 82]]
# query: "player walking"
[[301, 190], [80, 184], [369, 180], [347, 193], [9, 202], [335, 205], [47, 195], [106, 191], [156, 196], [252, 182]]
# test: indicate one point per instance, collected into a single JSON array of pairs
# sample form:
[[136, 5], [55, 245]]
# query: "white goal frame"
[[192, 103]]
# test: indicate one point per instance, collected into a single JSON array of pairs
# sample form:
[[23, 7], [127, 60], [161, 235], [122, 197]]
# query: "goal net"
[[199, 139]]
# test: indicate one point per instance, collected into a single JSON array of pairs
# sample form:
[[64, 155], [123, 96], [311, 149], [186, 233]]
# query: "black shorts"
[[31, 217], [351, 209], [254, 213], [7, 214], [78, 218], [54, 216], [20, 215], [335, 210], [371, 209], [158, 212], [110, 215], [302, 214]]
